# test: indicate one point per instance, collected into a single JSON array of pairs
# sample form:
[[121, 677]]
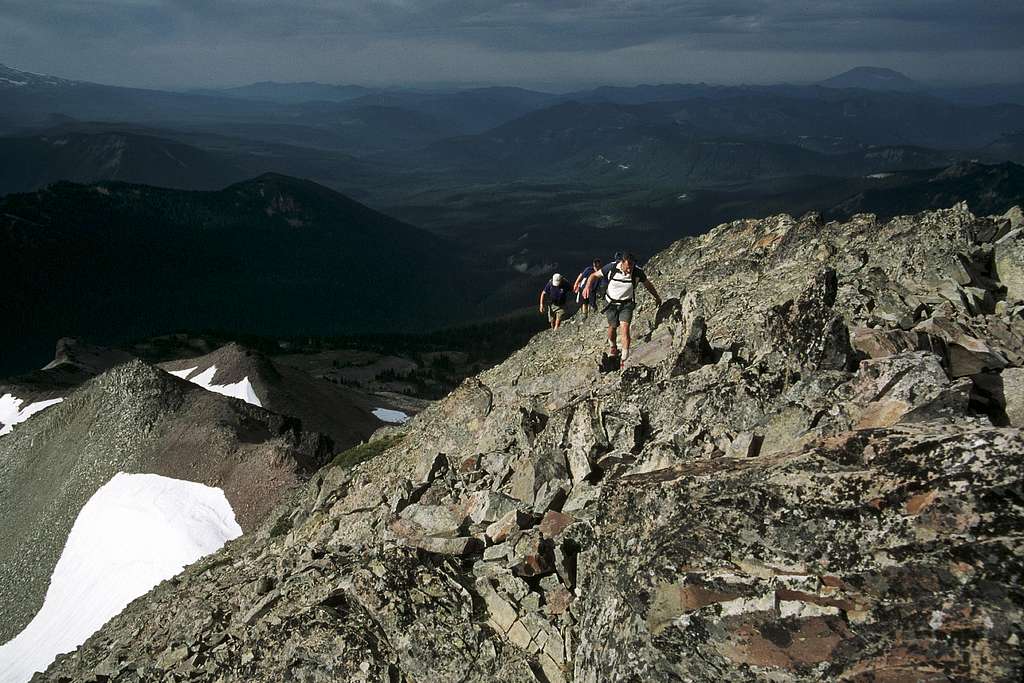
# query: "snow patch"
[[879, 176], [241, 389], [11, 412], [205, 378], [136, 531], [391, 416], [14, 82]]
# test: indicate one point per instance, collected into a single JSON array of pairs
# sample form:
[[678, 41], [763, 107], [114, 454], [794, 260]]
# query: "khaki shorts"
[[555, 311], [619, 313]]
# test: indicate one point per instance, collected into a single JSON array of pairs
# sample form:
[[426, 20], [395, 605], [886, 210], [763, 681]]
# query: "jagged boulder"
[[1012, 381], [1009, 263], [807, 331]]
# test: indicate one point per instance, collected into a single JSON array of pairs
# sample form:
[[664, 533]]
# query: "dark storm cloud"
[[752, 24], [228, 39]]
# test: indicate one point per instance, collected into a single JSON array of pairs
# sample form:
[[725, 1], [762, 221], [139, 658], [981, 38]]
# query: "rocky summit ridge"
[[811, 470]]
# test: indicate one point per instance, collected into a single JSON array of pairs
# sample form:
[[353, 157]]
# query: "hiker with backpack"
[[622, 277], [552, 300], [587, 303]]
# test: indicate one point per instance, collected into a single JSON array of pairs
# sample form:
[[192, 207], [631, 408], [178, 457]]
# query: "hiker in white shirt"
[[620, 299]]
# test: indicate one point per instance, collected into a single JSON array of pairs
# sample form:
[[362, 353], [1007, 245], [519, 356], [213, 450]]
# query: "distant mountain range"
[[869, 106], [273, 91], [873, 78], [274, 255], [511, 182], [381, 144], [104, 151], [701, 141], [888, 80], [36, 161]]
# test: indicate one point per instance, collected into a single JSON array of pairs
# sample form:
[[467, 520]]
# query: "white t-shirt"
[[621, 287]]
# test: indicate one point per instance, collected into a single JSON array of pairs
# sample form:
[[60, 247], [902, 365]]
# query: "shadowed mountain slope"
[[341, 413], [274, 255], [986, 189], [33, 162]]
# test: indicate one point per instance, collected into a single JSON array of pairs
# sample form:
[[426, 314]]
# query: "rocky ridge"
[[811, 470]]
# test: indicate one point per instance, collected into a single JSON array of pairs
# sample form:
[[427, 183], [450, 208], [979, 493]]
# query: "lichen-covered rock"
[[809, 470], [1009, 263], [866, 555]]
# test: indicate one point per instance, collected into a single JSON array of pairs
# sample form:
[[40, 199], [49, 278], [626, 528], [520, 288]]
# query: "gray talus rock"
[[1009, 263], [965, 354], [535, 472], [436, 520], [906, 387], [878, 343], [484, 507], [1013, 392]]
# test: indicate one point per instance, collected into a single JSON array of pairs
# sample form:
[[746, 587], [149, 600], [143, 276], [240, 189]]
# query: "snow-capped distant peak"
[[241, 389], [136, 531], [11, 412]]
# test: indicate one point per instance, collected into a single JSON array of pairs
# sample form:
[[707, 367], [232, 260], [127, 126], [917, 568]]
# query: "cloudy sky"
[[553, 43]]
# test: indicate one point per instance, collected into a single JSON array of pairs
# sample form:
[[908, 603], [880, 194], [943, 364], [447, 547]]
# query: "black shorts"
[[619, 313]]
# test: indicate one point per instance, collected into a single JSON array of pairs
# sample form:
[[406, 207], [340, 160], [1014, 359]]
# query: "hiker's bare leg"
[[611, 338], [624, 335], [558, 321]]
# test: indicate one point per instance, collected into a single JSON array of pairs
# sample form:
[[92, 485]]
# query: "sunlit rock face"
[[808, 470]]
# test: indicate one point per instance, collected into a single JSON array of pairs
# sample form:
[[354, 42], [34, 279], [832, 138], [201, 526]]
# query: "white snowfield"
[[241, 389], [11, 412], [136, 531], [392, 416]]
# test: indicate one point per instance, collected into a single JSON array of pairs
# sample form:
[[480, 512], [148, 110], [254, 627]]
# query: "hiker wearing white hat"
[[552, 299]]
